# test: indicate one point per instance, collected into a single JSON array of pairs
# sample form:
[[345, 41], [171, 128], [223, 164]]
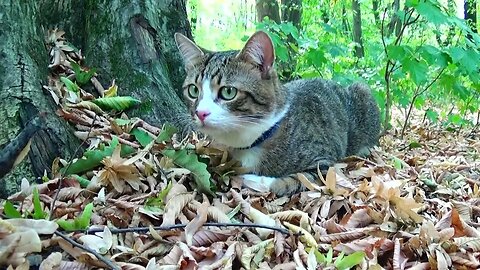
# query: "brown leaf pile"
[[408, 206]]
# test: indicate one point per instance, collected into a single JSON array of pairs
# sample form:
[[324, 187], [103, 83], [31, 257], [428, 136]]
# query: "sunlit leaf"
[[79, 223], [159, 200], [350, 260], [10, 211], [81, 76], [416, 69], [93, 158], [190, 161], [71, 86], [431, 11], [81, 180], [166, 133], [112, 90], [38, 212], [116, 103], [141, 136]]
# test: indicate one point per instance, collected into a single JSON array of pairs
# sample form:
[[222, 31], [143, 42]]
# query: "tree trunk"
[[395, 23], [345, 24], [131, 42], [376, 13], [357, 29], [292, 12], [470, 14], [23, 70], [134, 45], [452, 8], [267, 8]]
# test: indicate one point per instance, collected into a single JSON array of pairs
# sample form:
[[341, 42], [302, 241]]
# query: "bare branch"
[[96, 254], [181, 226]]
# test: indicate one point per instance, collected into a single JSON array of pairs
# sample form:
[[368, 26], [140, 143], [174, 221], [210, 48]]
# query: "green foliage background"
[[433, 64]]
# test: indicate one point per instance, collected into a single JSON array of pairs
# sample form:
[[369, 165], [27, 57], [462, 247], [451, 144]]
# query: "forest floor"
[[413, 204]]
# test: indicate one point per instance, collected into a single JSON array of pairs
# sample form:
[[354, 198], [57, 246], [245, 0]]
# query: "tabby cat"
[[275, 130]]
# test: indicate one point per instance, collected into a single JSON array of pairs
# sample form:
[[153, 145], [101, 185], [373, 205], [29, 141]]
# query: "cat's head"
[[232, 92]]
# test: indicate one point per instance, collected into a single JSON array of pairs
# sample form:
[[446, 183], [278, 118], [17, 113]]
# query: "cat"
[[275, 130]]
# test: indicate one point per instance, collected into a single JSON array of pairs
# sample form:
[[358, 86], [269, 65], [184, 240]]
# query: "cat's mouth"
[[204, 125]]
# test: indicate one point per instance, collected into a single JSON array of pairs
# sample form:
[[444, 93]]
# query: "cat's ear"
[[189, 50], [259, 51]]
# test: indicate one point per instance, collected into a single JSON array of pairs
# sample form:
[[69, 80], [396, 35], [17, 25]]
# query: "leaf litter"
[[142, 197]]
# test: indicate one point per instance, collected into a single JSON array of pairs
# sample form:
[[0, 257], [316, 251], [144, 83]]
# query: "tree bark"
[[357, 29], [395, 23], [23, 70], [345, 24], [268, 8], [131, 42], [470, 14], [376, 13], [134, 45], [292, 12]]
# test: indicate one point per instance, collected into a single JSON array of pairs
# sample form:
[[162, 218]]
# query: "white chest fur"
[[250, 158]]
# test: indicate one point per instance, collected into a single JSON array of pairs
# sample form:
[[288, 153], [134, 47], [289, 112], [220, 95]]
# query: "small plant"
[[79, 223], [342, 262]]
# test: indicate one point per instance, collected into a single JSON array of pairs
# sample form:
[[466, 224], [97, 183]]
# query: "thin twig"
[[60, 180], [415, 96], [181, 226], [100, 257]]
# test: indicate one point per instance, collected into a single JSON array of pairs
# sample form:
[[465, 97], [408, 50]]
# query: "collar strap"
[[265, 136]]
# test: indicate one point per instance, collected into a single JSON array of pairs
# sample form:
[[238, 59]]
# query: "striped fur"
[[319, 122]]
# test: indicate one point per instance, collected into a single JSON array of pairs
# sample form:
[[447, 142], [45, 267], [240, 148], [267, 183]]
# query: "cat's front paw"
[[257, 183]]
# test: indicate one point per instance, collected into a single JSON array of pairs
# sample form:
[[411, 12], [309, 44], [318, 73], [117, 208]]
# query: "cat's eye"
[[227, 92], [193, 91]]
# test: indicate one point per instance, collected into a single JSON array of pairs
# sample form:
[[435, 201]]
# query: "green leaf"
[[411, 3], [455, 119], [398, 52], [84, 182], [430, 183], [416, 69], [38, 212], [414, 144], [432, 115], [79, 223], [471, 61], [141, 136], [166, 134], [71, 86], [320, 257], [316, 57], [432, 12], [82, 77], [282, 53], [397, 163], [123, 122], [93, 158], [289, 29], [10, 211], [350, 261], [329, 257], [84, 219], [190, 161], [433, 55], [159, 200], [231, 215], [116, 103], [328, 28]]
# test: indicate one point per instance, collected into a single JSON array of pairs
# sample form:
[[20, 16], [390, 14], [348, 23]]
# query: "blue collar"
[[265, 136]]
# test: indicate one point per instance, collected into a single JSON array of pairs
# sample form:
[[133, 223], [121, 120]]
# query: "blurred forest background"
[[416, 55]]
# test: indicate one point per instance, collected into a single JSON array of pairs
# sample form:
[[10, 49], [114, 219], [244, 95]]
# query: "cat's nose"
[[202, 114]]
